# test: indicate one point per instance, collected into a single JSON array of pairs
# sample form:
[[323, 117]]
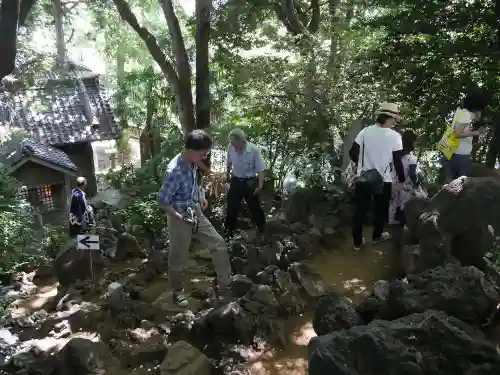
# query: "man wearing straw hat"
[[374, 150]]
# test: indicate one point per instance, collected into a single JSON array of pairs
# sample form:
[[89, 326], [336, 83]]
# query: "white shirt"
[[246, 164], [376, 145], [466, 117]]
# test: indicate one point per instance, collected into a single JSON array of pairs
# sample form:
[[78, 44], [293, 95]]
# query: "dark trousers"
[[75, 230], [362, 201], [459, 165], [243, 188]]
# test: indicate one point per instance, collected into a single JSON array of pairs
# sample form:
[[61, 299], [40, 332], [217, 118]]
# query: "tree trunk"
[[185, 104], [120, 80], [9, 20], [13, 13], [60, 42], [180, 82], [203, 99], [333, 6], [356, 127], [177, 70]]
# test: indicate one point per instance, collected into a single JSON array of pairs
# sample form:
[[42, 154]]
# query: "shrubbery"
[[140, 187], [16, 223], [20, 241]]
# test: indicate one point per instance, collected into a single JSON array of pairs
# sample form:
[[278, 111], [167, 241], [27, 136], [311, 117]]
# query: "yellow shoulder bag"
[[449, 141]]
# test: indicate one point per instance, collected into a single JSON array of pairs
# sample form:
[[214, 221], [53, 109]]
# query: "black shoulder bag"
[[371, 178]]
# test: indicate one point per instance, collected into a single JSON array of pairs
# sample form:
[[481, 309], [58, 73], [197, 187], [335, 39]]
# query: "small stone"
[[114, 286]]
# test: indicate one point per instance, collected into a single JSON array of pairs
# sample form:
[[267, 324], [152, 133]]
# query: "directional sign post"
[[88, 242]]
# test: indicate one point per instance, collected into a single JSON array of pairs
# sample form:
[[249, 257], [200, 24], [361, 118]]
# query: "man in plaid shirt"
[[182, 200]]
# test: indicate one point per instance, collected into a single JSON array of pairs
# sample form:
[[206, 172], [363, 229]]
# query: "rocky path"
[[42, 320], [60, 317], [345, 272], [442, 317], [436, 321]]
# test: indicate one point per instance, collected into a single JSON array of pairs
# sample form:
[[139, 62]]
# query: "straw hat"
[[389, 109]]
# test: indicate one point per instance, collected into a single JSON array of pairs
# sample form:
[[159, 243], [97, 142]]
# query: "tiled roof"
[[54, 113], [43, 152]]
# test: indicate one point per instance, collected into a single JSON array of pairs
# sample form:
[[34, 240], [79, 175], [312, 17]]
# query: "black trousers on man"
[[362, 202], [243, 188]]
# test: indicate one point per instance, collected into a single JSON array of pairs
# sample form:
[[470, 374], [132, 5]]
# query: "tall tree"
[[433, 53], [176, 67], [12, 14], [60, 42]]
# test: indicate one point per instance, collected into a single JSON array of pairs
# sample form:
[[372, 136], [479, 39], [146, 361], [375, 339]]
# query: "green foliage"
[[340, 199], [53, 240], [123, 143], [140, 187], [20, 242], [294, 96], [432, 52], [15, 223]]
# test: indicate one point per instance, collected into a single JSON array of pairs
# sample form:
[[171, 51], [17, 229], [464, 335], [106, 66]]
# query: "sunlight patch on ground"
[[355, 285], [92, 336], [42, 296], [50, 345], [302, 335], [34, 303], [279, 366]]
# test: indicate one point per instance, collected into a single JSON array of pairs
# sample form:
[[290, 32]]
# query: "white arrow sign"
[[87, 242]]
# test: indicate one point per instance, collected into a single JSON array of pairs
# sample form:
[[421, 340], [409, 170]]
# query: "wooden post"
[[91, 267]]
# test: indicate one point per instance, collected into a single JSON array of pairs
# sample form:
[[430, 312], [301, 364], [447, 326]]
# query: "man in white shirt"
[[375, 148], [245, 169]]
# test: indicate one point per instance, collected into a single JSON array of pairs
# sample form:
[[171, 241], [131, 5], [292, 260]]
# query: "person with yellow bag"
[[455, 145]]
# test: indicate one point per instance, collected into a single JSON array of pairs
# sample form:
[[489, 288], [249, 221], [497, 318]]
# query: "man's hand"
[[398, 187], [257, 190], [203, 204]]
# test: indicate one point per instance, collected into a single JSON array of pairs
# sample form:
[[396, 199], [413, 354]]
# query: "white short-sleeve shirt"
[[376, 145], [463, 116]]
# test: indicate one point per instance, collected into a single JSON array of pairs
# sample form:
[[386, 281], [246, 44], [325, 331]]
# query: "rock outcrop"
[[430, 343]]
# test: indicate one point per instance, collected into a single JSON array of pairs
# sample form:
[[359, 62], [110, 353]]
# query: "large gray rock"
[[461, 292], [127, 247], [334, 313], [84, 357], [72, 264], [430, 343], [184, 359], [454, 223]]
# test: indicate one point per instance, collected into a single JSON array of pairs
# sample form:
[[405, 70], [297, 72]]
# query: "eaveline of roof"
[[62, 108]]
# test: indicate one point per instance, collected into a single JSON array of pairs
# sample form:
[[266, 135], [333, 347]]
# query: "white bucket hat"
[[389, 109]]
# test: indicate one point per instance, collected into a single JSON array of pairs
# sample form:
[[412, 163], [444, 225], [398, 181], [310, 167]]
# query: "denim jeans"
[[458, 165]]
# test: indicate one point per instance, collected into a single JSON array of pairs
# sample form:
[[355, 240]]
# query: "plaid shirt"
[[180, 186]]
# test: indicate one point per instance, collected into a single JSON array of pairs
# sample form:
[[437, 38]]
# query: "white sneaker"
[[357, 248], [384, 237], [180, 299]]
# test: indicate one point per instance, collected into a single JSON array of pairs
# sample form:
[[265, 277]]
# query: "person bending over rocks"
[[373, 150], [182, 201]]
